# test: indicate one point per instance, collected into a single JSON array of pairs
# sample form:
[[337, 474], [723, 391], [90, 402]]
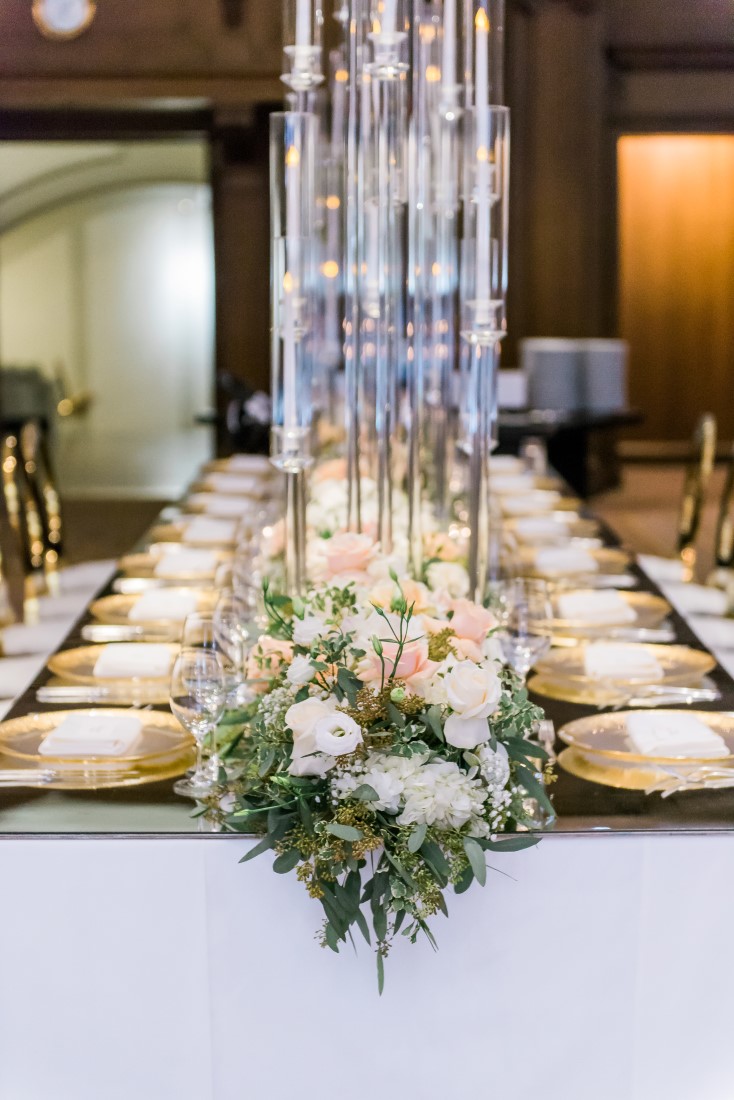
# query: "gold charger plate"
[[115, 610], [630, 778], [174, 532], [680, 664], [609, 561], [77, 666], [605, 736], [579, 528], [224, 466], [171, 752], [650, 611], [144, 564], [259, 492]]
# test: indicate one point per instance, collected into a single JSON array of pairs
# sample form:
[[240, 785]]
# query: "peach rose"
[[414, 668], [413, 591], [470, 620], [438, 545], [266, 659], [348, 553]]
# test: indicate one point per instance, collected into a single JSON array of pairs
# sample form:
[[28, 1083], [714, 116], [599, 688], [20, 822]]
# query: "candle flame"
[[330, 269], [436, 269], [288, 282], [333, 202], [481, 22], [292, 157], [341, 76], [482, 154], [376, 28], [433, 74]]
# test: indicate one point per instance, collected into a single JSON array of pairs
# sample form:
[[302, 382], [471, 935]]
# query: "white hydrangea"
[[494, 765], [386, 774], [440, 793], [448, 577]]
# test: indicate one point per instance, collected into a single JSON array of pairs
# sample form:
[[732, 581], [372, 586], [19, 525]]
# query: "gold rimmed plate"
[[77, 666], [605, 735], [115, 610], [680, 664], [579, 528], [649, 610], [144, 565], [609, 561], [175, 533], [164, 751], [538, 506]]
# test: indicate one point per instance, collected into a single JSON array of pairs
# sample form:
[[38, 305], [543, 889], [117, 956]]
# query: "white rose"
[[300, 671], [449, 577], [301, 718], [473, 693], [308, 629], [337, 734]]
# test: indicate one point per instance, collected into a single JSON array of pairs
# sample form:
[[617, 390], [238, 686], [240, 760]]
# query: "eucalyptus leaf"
[[344, 832], [380, 973], [365, 793], [475, 855], [417, 837], [515, 843], [287, 861], [258, 850]]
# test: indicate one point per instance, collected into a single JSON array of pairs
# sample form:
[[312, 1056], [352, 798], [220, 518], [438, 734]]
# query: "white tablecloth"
[[600, 969]]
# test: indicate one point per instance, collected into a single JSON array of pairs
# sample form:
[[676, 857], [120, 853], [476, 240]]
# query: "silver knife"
[[26, 777], [78, 693], [104, 632]]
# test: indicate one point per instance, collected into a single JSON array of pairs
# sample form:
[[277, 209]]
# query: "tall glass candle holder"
[[292, 138], [386, 193], [483, 291], [303, 22]]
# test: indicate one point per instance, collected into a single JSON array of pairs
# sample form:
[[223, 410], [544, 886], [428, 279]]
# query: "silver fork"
[[659, 695]]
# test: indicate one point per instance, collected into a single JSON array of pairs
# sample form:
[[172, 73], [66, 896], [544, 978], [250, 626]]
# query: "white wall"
[[118, 288]]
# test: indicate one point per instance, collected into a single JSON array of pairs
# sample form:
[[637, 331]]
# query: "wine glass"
[[234, 631], [200, 632], [524, 611], [197, 698]]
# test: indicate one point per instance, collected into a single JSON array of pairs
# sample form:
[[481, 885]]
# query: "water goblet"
[[197, 697], [524, 611]]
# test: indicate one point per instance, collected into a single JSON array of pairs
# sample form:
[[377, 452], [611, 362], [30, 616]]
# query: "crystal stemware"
[[197, 698], [524, 610]]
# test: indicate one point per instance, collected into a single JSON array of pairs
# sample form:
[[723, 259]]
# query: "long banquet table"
[[139, 959]]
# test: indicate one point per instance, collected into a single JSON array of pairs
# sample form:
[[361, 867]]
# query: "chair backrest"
[[24, 518], [696, 482], [36, 464], [724, 544]]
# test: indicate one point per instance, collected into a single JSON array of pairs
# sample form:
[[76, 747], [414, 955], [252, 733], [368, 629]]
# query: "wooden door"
[[676, 279]]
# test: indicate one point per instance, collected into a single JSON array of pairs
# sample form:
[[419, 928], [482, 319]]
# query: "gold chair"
[[698, 475], [25, 522], [37, 468]]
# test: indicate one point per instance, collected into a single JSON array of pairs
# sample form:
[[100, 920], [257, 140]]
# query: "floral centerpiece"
[[387, 750]]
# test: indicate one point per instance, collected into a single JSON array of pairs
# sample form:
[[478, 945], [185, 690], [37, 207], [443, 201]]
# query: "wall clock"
[[63, 19]]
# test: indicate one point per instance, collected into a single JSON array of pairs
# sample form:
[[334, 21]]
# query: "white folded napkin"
[[606, 608], [250, 464], [662, 569], [714, 633], [93, 734], [204, 530], [185, 562], [540, 500], [691, 598], [134, 661], [159, 604], [215, 504], [666, 733], [564, 559], [511, 483], [247, 485], [530, 526], [616, 661], [33, 638], [16, 674]]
